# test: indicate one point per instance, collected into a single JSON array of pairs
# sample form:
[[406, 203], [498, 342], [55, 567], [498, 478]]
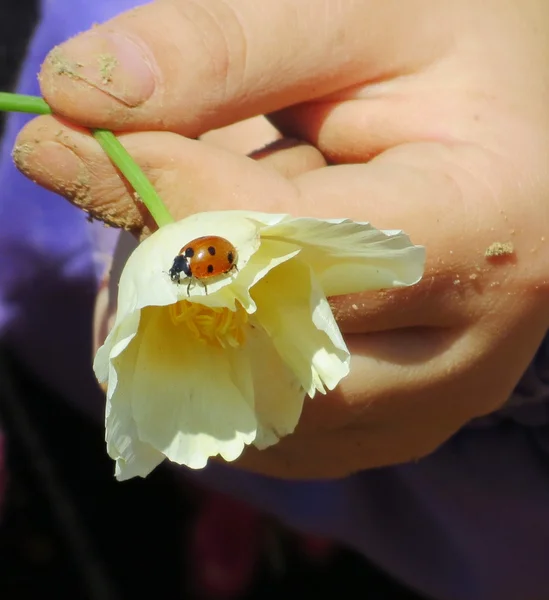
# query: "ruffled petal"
[[116, 342], [186, 400], [294, 312], [279, 395], [133, 457], [349, 257]]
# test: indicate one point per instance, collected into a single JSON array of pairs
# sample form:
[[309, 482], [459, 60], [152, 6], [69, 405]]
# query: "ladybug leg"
[[189, 288]]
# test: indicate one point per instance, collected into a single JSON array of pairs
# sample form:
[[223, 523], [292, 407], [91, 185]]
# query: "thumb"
[[190, 67]]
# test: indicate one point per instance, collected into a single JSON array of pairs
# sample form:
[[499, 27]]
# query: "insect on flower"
[[202, 259]]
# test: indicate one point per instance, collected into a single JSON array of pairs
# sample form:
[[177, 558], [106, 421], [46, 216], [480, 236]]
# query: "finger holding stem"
[[116, 152]]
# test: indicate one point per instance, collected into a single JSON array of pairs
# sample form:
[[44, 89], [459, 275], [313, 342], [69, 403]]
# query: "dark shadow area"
[[17, 21], [69, 527]]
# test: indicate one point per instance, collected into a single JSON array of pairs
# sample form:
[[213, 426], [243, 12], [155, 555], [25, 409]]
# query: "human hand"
[[433, 117]]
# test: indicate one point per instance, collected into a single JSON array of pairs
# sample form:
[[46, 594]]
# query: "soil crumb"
[[498, 249], [61, 65], [20, 153], [107, 63]]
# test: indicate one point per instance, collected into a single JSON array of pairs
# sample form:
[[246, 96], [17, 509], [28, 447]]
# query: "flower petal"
[[270, 254], [293, 310], [185, 400], [279, 395], [133, 457], [117, 341], [349, 257]]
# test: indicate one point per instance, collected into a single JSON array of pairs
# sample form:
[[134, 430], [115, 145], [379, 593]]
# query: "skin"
[[433, 116]]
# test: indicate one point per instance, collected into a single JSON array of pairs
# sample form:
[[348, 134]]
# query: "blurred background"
[[69, 530]]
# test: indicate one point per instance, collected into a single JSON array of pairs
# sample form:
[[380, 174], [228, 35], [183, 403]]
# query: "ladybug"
[[202, 259]]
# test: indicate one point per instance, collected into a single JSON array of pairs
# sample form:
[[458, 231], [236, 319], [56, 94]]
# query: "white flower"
[[205, 372]]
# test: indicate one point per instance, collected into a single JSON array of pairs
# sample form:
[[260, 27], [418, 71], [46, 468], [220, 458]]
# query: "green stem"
[[128, 167], [112, 147], [22, 103]]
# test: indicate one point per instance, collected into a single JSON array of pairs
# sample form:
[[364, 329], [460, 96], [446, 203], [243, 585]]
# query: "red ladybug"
[[202, 259]]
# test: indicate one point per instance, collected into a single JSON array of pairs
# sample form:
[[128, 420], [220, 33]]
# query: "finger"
[[425, 189], [466, 206], [258, 139], [189, 175], [417, 188], [460, 96], [289, 157], [190, 67], [243, 137]]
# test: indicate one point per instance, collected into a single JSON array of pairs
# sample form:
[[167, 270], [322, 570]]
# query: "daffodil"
[[198, 368]]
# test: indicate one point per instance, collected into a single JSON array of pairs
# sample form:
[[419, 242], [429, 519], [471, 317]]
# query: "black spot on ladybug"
[[230, 257], [210, 268], [189, 252], [211, 250]]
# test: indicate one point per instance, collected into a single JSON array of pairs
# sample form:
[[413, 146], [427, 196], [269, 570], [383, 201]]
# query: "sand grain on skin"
[[107, 64], [498, 249], [62, 65], [21, 153]]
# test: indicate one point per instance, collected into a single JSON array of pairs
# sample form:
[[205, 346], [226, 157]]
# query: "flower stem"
[[112, 147], [22, 103], [131, 171]]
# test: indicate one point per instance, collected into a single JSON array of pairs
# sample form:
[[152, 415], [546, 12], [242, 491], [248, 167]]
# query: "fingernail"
[[112, 63]]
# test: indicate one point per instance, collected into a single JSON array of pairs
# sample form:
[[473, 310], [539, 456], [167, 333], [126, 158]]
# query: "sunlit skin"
[[434, 118]]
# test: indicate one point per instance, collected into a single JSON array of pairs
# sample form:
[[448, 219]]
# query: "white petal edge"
[[133, 457], [116, 342]]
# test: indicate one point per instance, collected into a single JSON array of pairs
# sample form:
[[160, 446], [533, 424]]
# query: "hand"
[[434, 118]]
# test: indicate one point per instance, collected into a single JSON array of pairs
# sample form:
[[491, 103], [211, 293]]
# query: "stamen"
[[216, 326]]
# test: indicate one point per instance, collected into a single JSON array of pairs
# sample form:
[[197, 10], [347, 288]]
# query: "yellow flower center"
[[217, 326]]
